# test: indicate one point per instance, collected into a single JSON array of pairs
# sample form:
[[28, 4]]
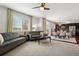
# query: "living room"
[[25, 27]]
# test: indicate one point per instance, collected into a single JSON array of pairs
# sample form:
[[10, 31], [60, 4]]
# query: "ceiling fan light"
[[41, 8]]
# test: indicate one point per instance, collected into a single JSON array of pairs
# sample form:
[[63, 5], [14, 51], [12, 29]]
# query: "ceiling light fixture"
[[42, 7]]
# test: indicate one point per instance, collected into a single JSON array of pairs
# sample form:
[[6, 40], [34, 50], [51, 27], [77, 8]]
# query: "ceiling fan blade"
[[47, 8], [42, 4], [36, 7]]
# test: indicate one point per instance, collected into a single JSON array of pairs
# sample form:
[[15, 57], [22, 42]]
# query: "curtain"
[[9, 20]]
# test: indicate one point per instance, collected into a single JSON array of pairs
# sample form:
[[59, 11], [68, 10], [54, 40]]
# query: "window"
[[50, 26], [35, 24], [20, 22], [17, 22], [25, 22]]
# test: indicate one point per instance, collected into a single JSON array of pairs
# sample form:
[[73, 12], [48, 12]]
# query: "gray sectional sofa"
[[11, 40], [34, 35]]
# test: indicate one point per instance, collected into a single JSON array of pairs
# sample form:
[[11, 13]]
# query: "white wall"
[[3, 19]]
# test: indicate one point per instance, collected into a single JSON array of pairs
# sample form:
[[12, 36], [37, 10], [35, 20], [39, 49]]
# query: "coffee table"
[[44, 38]]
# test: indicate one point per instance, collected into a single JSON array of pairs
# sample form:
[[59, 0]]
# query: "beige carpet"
[[56, 48]]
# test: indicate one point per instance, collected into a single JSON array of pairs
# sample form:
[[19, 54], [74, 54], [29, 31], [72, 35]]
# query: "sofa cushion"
[[9, 36], [1, 39], [34, 32], [17, 39], [36, 36]]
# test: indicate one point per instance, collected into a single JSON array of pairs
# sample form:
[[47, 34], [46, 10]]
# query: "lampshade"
[[41, 8]]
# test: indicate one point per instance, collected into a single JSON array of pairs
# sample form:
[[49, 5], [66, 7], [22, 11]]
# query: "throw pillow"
[[1, 39]]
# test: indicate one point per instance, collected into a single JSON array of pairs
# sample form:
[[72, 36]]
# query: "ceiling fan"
[[42, 7]]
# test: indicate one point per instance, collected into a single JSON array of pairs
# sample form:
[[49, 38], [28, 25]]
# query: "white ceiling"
[[59, 12]]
